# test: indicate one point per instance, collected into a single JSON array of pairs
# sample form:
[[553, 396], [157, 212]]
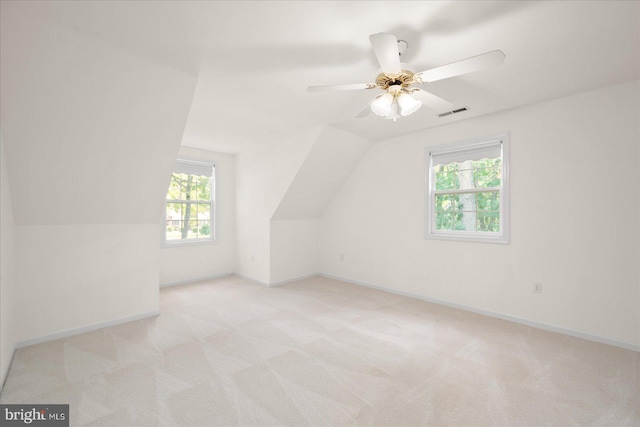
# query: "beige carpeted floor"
[[319, 352]]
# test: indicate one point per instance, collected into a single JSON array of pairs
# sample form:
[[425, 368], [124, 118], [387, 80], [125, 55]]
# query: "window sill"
[[468, 238], [182, 244]]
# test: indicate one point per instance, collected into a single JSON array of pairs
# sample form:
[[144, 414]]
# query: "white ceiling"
[[254, 60]]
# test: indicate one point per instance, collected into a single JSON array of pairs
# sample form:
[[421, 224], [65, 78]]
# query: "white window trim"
[[431, 232], [214, 226]]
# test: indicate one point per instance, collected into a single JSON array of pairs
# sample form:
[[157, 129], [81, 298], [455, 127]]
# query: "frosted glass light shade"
[[394, 112], [381, 106], [408, 104]]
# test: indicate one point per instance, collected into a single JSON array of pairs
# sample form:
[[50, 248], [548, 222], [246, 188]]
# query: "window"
[[189, 207], [468, 191]]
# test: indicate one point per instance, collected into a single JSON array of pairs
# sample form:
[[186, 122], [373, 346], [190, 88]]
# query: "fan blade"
[[469, 65], [432, 101], [333, 88], [385, 46]]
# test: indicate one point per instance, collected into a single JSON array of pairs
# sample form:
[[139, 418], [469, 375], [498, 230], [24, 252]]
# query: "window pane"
[[204, 211], [193, 211], [468, 211], [465, 175], [192, 232], [446, 202], [446, 176], [446, 221], [174, 211], [184, 229], [203, 188], [489, 200], [173, 232], [448, 215], [173, 221], [180, 180], [469, 174], [204, 217], [467, 205], [205, 228], [174, 188], [488, 221], [487, 173]]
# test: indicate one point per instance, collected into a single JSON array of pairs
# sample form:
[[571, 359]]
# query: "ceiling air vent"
[[459, 110]]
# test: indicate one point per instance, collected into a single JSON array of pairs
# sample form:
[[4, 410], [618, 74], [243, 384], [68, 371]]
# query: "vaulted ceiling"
[[254, 60]]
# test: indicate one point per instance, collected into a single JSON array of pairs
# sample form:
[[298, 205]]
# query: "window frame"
[[213, 209], [430, 192]]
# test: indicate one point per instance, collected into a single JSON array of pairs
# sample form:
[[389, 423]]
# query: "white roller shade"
[[489, 150], [193, 168]]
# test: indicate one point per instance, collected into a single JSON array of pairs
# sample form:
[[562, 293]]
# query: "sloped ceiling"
[[91, 131], [254, 60], [332, 158]]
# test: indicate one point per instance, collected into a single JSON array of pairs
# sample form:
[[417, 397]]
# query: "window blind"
[[193, 168], [489, 150]]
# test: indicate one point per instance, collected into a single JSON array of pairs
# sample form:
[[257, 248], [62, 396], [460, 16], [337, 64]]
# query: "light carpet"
[[320, 352]]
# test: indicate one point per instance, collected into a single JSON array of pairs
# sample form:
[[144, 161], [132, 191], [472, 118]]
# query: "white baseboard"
[[88, 328], [280, 283], [250, 279], [197, 279], [295, 279], [514, 319]]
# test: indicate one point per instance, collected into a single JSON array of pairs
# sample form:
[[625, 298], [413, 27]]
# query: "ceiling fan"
[[397, 80]]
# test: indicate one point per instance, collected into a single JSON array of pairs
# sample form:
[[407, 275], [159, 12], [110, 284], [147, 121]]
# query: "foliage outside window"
[[468, 191], [189, 207]]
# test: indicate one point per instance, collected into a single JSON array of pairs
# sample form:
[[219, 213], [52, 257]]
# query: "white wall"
[[180, 264], [574, 218], [8, 298], [263, 175], [294, 225], [294, 249], [73, 277], [91, 132], [283, 187]]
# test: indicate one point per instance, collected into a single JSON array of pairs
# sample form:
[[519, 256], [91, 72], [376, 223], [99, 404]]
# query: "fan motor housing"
[[404, 79]]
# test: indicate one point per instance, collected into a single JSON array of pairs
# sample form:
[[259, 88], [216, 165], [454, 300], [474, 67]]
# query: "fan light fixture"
[[394, 103], [381, 106]]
